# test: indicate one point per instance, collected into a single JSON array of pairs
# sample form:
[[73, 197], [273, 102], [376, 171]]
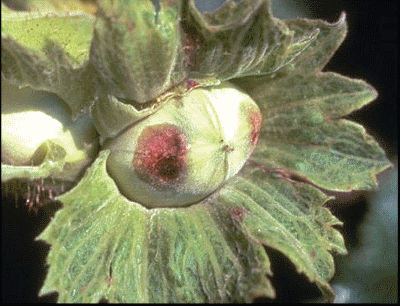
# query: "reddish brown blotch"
[[161, 154]]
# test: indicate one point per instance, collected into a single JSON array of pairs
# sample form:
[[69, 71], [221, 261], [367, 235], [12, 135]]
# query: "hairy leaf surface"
[[48, 49]]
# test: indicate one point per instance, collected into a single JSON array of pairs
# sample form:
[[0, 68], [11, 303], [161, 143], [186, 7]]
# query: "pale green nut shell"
[[30, 118], [188, 149], [23, 133]]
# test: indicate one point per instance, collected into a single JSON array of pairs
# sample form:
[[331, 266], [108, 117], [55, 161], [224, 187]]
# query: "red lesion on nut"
[[255, 122], [161, 155]]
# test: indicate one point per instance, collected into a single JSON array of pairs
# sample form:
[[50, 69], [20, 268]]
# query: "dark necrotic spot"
[[169, 168]]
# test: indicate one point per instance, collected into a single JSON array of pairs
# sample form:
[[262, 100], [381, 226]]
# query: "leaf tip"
[[342, 18]]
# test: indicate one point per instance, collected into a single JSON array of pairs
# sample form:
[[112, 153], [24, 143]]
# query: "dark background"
[[369, 53]]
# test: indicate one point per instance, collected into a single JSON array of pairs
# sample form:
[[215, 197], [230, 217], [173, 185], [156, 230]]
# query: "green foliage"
[[126, 61], [49, 50]]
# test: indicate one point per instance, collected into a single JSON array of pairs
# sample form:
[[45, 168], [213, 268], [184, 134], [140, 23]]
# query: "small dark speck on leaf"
[[237, 214]]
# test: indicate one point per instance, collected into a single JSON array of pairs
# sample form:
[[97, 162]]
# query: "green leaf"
[[311, 60], [105, 246], [301, 107], [137, 51], [311, 97], [239, 40], [59, 26], [335, 155], [302, 134], [49, 50], [288, 217], [320, 51]]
